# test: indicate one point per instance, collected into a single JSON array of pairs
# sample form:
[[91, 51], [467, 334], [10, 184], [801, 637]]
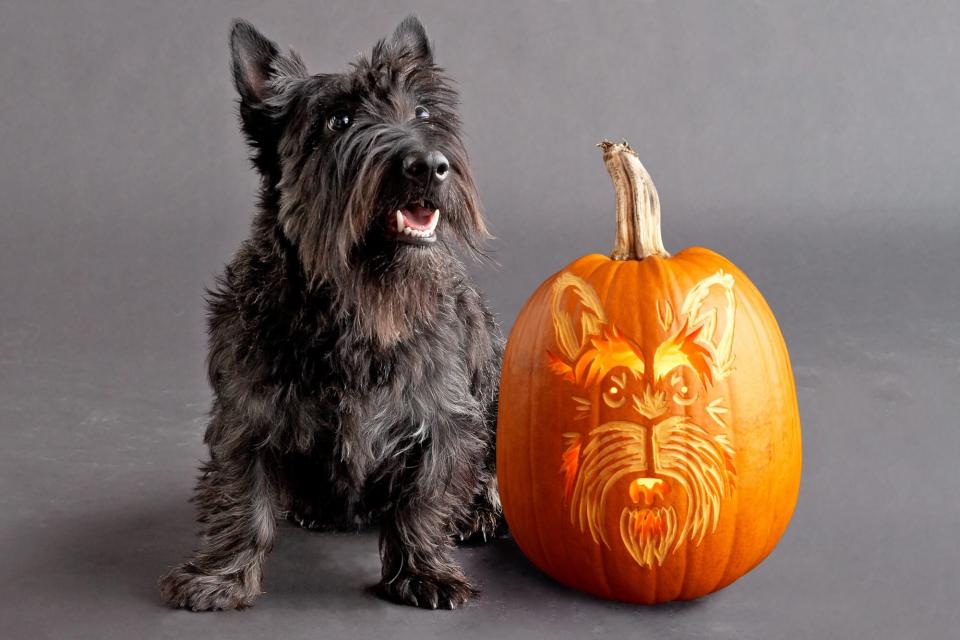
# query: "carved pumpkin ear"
[[709, 310], [577, 314]]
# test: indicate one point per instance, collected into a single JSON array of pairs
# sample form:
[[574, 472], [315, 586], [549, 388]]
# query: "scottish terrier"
[[354, 366]]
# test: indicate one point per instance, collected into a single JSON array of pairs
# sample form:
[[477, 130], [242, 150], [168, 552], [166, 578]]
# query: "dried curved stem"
[[638, 206]]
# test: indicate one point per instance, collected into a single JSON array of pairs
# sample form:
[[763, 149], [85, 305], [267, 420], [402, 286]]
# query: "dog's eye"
[[421, 112], [614, 390], [683, 393], [339, 121]]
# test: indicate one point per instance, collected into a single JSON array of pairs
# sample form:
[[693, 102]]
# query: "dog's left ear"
[[411, 35]]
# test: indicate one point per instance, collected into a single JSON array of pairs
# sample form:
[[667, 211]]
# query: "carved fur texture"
[[354, 367]]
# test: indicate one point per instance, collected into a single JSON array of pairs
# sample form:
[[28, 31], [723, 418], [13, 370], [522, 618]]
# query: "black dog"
[[354, 366]]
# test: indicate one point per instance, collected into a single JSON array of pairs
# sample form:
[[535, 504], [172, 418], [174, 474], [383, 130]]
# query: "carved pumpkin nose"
[[649, 489]]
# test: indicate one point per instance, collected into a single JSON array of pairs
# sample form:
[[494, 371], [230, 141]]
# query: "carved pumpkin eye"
[[684, 393], [614, 390]]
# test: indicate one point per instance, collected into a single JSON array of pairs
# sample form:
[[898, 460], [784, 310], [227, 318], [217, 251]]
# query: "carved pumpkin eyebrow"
[[684, 349], [605, 354]]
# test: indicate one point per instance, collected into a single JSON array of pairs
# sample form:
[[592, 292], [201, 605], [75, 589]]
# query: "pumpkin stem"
[[638, 206]]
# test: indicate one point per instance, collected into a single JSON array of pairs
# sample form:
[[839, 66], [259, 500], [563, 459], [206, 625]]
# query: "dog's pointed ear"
[[709, 311], [259, 68], [411, 35], [578, 315], [252, 56], [264, 79]]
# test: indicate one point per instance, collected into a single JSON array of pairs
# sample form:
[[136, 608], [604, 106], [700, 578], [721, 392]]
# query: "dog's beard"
[[339, 210], [388, 292], [648, 534], [686, 454]]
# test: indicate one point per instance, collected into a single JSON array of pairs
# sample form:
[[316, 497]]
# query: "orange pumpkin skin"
[[648, 440]]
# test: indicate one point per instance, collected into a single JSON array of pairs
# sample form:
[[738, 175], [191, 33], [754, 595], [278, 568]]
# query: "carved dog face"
[[637, 445]]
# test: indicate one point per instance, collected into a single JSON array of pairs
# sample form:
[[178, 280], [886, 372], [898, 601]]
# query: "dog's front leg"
[[415, 534], [237, 523], [484, 349]]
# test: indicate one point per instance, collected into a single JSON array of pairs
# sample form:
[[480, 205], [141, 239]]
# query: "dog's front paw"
[[186, 587], [306, 520], [482, 525], [427, 591]]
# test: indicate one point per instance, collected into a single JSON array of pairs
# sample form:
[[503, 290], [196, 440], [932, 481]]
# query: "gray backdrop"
[[813, 143]]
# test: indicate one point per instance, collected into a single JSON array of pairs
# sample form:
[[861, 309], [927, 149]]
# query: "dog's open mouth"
[[417, 222]]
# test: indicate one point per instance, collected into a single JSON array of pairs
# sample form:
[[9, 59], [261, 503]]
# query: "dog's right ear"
[[263, 76], [260, 71], [252, 56]]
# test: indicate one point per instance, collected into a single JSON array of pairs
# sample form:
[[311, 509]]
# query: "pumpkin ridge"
[[733, 500], [611, 268], [774, 334], [546, 558]]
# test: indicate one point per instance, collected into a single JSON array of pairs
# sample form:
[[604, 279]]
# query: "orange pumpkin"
[[648, 445]]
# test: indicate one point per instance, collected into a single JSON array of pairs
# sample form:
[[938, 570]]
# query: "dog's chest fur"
[[332, 391]]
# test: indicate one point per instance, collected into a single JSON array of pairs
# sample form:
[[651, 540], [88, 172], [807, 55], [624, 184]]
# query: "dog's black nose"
[[423, 167]]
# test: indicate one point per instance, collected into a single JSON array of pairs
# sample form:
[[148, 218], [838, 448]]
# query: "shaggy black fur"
[[354, 368]]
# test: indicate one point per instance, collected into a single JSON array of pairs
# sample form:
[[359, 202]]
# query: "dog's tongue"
[[417, 216]]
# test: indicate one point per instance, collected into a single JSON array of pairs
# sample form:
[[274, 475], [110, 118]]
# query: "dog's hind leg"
[[235, 500]]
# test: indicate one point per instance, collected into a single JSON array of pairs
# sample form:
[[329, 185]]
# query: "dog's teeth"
[[432, 223], [426, 232]]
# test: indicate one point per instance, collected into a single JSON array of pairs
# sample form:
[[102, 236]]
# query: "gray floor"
[[101, 437], [813, 143]]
